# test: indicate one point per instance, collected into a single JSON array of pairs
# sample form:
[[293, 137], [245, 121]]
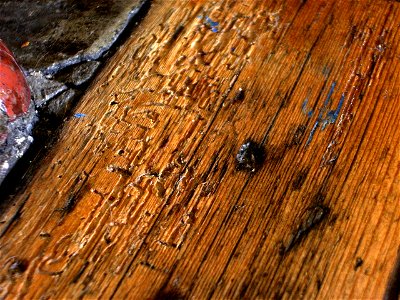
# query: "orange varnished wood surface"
[[141, 198]]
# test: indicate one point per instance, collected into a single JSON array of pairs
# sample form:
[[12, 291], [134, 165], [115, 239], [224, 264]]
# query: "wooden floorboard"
[[142, 196]]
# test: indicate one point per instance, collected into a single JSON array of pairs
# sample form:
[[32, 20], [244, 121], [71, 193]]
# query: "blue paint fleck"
[[208, 21], [211, 22], [331, 90], [312, 132], [306, 111], [330, 116], [337, 111], [79, 115], [304, 105]]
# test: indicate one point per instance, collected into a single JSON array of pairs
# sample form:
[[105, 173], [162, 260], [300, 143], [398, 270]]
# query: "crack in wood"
[[80, 272], [74, 194], [312, 217], [14, 217]]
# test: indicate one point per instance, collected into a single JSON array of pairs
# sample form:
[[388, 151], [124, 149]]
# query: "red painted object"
[[15, 95]]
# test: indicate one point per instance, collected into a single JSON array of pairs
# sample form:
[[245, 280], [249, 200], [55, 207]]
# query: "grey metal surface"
[[60, 44], [47, 35]]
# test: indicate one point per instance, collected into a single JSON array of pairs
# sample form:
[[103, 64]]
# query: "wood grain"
[[141, 197]]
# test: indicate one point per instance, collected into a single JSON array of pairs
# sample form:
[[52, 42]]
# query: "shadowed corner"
[[172, 294], [392, 291]]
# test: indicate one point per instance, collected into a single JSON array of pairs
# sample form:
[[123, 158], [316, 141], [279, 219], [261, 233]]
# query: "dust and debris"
[[44, 234], [120, 170], [299, 179], [120, 152], [208, 188], [239, 96], [359, 262], [159, 188], [295, 136], [17, 266], [69, 204], [164, 142], [250, 156]]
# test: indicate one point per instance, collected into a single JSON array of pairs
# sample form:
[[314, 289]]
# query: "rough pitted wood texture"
[[141, 196]]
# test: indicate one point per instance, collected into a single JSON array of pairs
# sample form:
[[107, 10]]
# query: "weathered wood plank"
[[141, 198]]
